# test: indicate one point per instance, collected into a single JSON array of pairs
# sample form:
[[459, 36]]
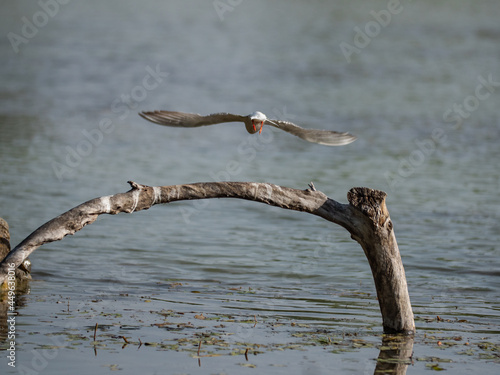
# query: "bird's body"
[[253, 124]]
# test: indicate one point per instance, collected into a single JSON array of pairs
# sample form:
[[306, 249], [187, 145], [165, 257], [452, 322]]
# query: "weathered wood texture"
[[23, 270], [4, 238], [365, 217], [376, 237]]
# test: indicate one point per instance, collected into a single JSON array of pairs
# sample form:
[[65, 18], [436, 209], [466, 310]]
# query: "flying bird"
[[253, 123]]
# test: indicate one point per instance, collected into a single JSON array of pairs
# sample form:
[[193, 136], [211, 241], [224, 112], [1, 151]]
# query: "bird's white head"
[[258, 116], [258, 119]]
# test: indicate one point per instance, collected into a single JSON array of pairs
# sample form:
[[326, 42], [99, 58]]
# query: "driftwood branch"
[[4, 238], [22, 272], [366, 217]]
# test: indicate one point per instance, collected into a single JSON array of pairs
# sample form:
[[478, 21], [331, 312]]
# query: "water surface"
[[88, 64]]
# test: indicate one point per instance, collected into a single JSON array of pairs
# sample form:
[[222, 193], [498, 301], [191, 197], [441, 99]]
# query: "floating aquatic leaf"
[[249, 365], [434, 366], [434, 359], [206, 355], [113, 367]]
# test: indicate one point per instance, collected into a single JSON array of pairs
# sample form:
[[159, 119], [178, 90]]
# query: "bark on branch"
[[366, 217]]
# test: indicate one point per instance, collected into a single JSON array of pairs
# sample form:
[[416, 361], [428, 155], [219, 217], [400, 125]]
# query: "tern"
[[256, 119]]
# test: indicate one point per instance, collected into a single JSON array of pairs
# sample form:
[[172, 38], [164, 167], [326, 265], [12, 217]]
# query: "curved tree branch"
[[365, 217]]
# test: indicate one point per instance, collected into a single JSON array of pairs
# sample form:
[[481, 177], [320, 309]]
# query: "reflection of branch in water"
[[4, 306], [395, 355], [22, 288]]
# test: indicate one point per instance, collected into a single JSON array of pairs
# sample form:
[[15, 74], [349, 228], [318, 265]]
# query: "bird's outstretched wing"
[[189, 120], [323, 137]]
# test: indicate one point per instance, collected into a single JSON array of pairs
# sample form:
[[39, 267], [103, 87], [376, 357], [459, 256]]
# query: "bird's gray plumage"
[[323, 137], [192, 120]]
